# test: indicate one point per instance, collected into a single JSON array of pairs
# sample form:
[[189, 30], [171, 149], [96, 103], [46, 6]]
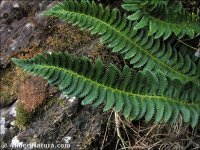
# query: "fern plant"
[[135, 94], [162, 17], [143, 51]]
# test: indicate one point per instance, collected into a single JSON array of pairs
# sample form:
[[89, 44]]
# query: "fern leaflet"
[[114, 29], [172, 18], [149, 94]]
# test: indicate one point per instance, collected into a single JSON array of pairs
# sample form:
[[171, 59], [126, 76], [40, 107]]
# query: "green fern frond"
[[134, 94], [162, 17], [115, 30]]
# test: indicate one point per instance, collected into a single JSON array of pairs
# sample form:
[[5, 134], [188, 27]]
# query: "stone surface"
[[24, 33], [20, 22]]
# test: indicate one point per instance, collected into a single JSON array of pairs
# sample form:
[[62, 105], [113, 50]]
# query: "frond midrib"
[[141, 96], [193, 79], [171, 24]]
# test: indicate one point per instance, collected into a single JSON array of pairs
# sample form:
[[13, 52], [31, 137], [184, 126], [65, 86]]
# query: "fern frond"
[[172, 18], [115, 30], [135, 94]]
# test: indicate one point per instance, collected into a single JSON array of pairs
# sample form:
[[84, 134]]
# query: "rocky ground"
[[34, 112]]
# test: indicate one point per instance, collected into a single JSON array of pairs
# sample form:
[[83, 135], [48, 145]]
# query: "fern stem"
[[104, 138], [196, 49], [117, 124]]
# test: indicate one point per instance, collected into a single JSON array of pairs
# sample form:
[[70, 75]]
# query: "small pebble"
[[197, 54]]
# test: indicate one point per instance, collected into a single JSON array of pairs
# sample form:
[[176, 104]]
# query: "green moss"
[[7, 88], [23, 117]]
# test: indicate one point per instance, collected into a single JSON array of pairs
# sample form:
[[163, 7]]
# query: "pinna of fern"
[[134, 94], [162, 17], [118, 32]]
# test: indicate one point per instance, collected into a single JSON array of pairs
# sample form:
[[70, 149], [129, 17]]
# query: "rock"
[[7, 130], [19, 25], [2, 125], [68, 123], [7, 125], [197, 54]]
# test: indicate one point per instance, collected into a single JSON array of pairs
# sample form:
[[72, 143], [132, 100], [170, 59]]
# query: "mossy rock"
[[7, 89]]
